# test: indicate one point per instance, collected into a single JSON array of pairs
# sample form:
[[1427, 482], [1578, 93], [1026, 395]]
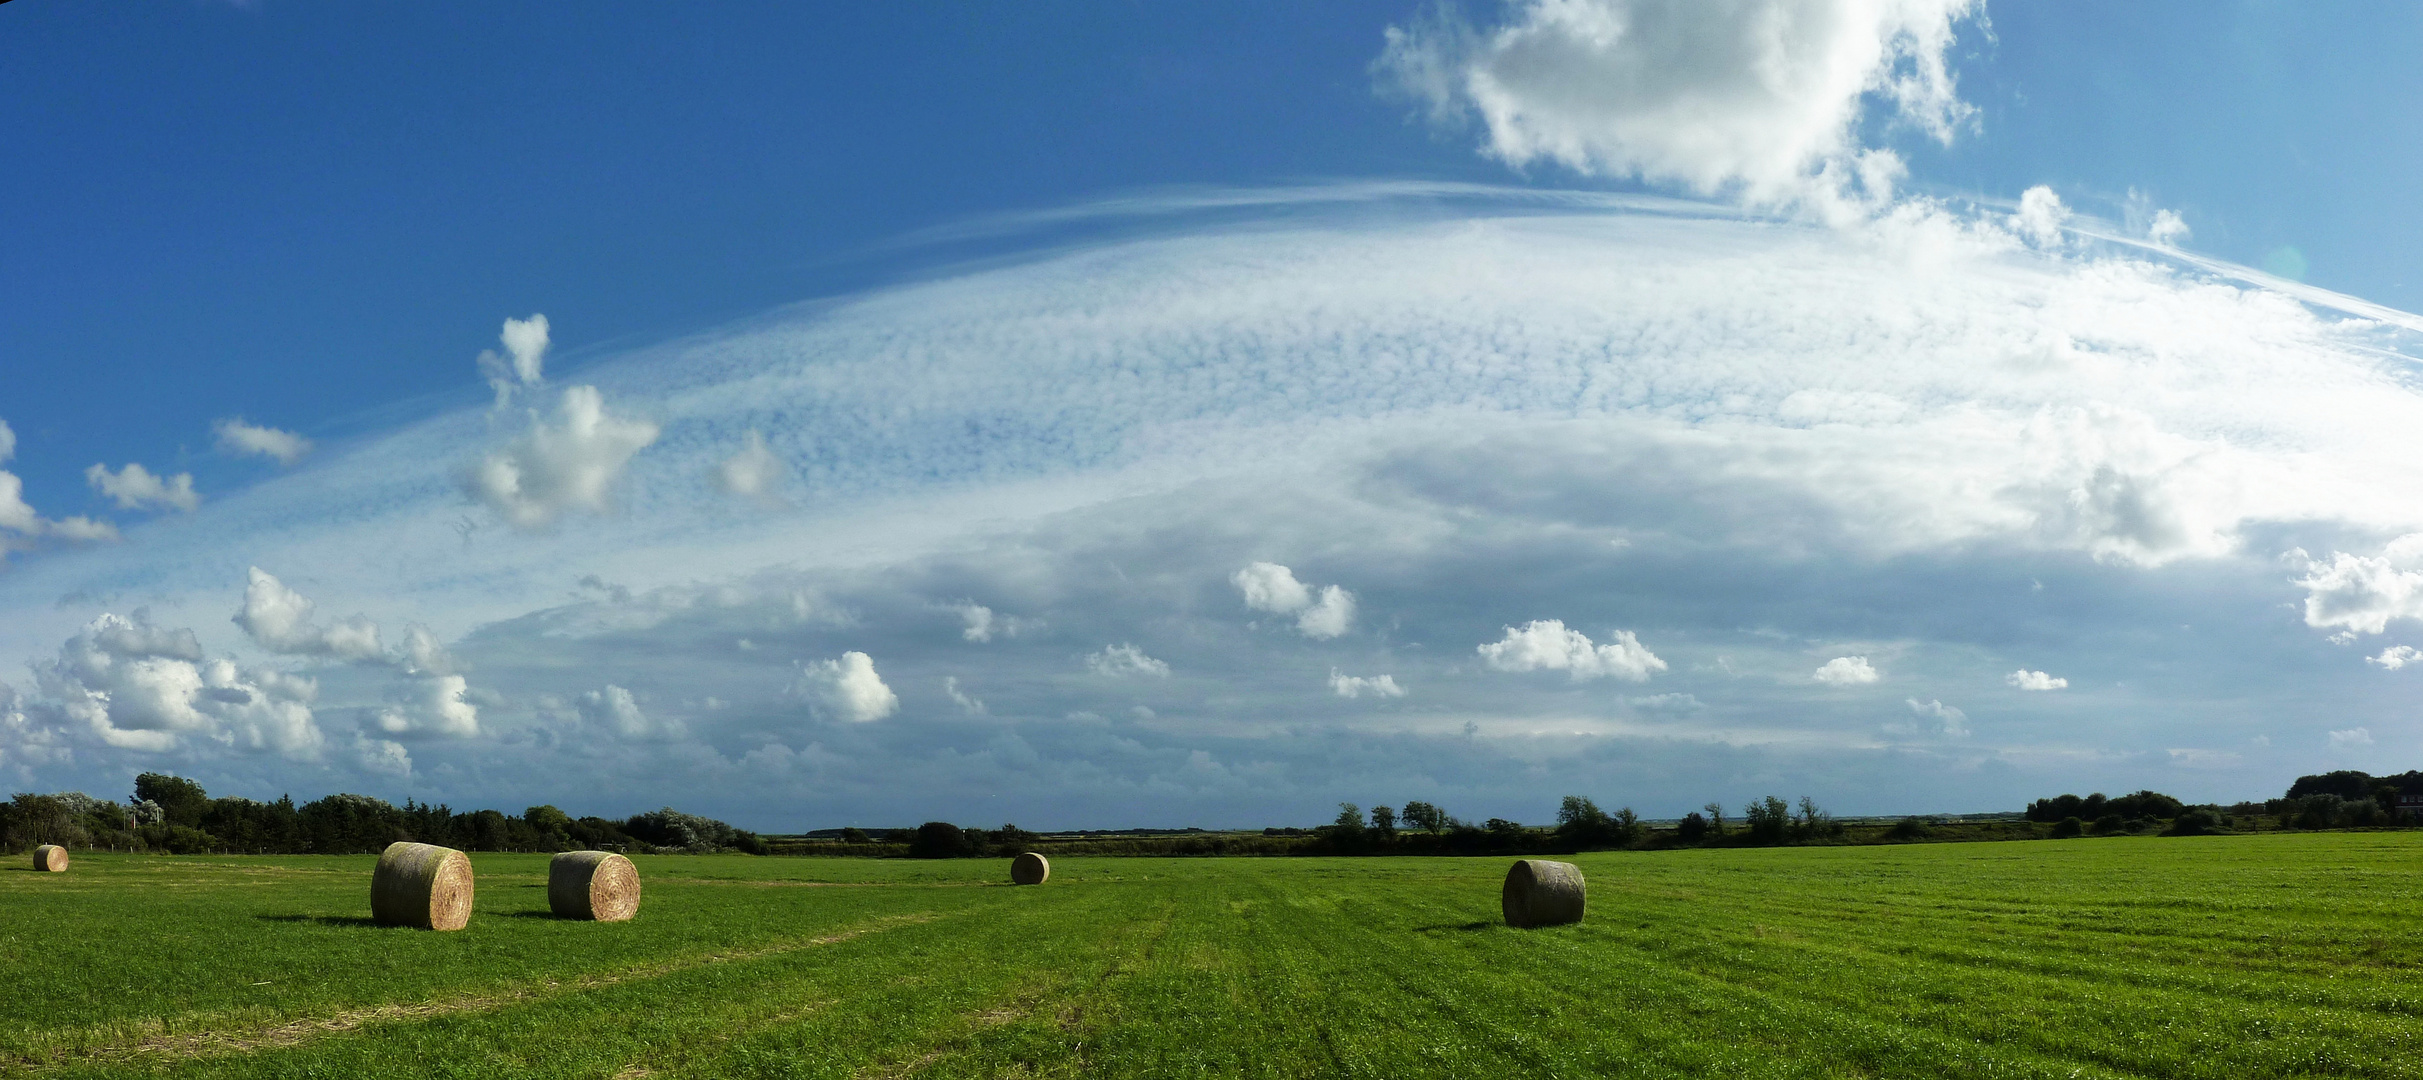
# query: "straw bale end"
[[596, 885], [50, 859], [1030, 868]]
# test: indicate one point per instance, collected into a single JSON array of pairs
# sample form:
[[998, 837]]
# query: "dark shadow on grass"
[[323, 920], [1480, 925], [548, 915]]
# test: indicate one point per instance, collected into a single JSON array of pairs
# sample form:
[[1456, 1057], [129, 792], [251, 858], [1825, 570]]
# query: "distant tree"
[[548, 822], [855, 835], [1768, 820], [2196, 822], [2347, 784], [1383, 824], [2067, 828], [182, 801], [1423, 816], [1814, 823], [1580, 821], [43, 819], [1692, 829], [939, 840], [2150, 804], [1346, 833], [1716, 818], [1909, 828]]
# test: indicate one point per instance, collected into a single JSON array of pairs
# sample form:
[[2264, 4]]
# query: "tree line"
[[173, 814]]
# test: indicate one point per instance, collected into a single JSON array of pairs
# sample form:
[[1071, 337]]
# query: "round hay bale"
[[421, 885], [50, 859], [1030, 869], [596, 885], [1542, 893]]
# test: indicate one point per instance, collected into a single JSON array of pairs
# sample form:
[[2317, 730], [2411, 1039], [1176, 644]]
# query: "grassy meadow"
[[2225, 956]]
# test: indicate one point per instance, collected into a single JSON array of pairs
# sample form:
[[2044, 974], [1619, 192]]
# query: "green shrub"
[[1911, 828], [2067, 828]]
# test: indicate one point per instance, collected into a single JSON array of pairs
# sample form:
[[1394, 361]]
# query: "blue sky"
[[1070, 414]]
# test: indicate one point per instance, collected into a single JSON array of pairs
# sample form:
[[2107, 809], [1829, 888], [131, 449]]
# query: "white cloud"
[[966, 702], [984, 624], [2040, 217], [1943, 719], [137, 686], [135, 487], [432, 705], [521, 364], [1273, 588], [2395, 657], [567, 465], [1759, 97], [8, 442], [382, 756], [71, 528], [1668, 703], [1845, 671], [2363, 593], [2351, 738], [848, 688], [279, 619], [754, 472], [615, 709], [422, 655], [2168, 228], [2035, 680], [1545, 645], [238, 437], [1355, 686], [1123, 660]]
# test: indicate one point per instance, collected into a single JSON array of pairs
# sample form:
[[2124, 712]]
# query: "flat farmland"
[[2228, 956]]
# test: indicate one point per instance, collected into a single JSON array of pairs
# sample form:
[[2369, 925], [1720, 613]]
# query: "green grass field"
[[2271, 955]]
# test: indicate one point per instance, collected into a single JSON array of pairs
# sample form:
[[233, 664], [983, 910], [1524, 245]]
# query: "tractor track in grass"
[[224, 1042]]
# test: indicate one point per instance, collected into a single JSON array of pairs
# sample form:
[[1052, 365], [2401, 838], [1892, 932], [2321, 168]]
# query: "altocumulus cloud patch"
[[1724, 445]]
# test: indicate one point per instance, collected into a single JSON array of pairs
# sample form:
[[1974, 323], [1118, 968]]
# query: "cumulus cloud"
[[1273, 588], [569, 464], [2351, 738], [423, 655], [1940, 719], [1846, 671], [754, 472], [2040, 217], [2035, 680], [434, 706], [1546, 645], [848, 689], [2167, 228], [616, 710], [2363, 593], [1355, 686], [134, 487], [137, 686], [967, 703], [1123, 660], [1757, 97], [2395, 657], [279, 619], [18, 517], [983, 624], [240, 438], [521, 364]]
